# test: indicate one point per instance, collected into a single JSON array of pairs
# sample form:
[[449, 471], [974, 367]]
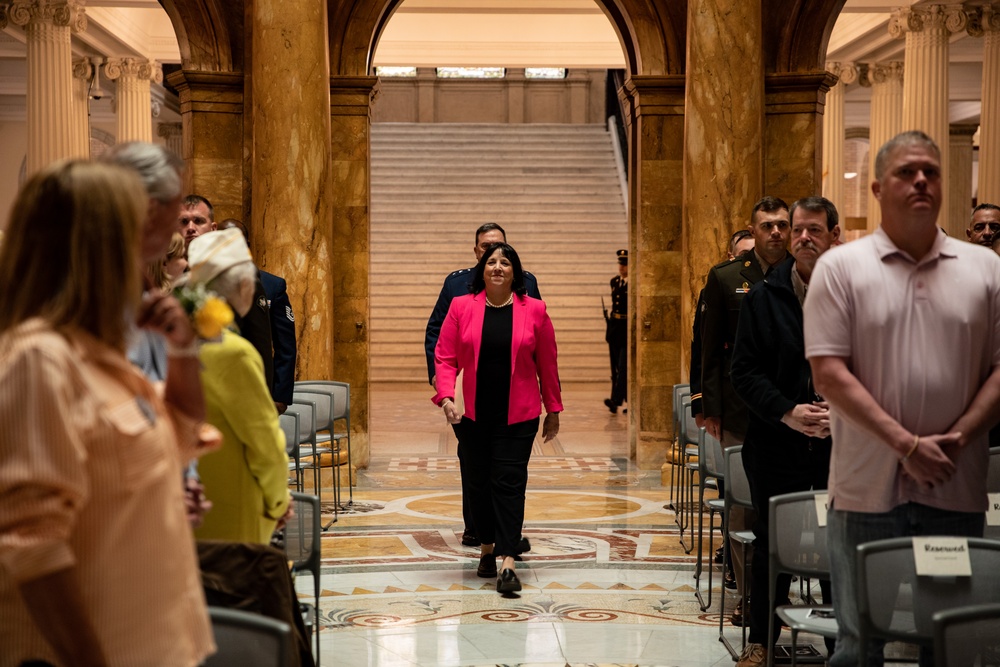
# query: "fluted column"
[[133, 107], [173, 133], [959, 177], [48, 25], [925, 80], [987, 24], [82, 74], [833, 133], [885, 121]]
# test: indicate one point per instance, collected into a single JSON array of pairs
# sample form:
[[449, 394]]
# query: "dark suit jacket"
[[725, 288], [695, 374], [282, 336], [455, 285], [256, 328]]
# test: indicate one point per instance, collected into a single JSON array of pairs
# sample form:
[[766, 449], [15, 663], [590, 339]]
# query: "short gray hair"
[[227, 284], [159, 168], [911, 138]]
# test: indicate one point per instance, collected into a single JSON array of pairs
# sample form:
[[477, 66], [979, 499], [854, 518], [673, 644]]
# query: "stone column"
[[174, 135], [925, 79], [987, 24], [48, 25], [959, 176], [350, 120], [833, 133], [212, 118], [132, 96], [655, 127], [83, 72], [885, 121]]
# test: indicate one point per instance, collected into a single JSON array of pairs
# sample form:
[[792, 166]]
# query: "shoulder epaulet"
[[459, 272], [726, 263]]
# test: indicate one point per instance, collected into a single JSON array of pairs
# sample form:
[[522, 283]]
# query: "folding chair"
[[327, 451], [302, 546], [675, 457], [737, 495], [897, 605], [290, 427], [797, 546], [967, 636], [689, 467], [340, 411], [248, 640], [711, 469], [305, 410]]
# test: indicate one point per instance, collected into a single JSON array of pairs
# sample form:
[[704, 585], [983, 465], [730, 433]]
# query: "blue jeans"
[[846, 530]]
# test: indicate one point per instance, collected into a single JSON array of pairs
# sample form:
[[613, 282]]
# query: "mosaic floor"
[[606, 581]]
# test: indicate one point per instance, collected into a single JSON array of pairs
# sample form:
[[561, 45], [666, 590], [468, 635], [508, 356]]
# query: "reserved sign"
[[993, 511], [822, 505], [942, 557]]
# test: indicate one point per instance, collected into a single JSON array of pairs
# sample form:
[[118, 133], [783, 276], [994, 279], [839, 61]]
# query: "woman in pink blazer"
[[505, 343]]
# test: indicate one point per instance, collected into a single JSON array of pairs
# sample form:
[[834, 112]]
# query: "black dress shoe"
[[737, 618], [508, 582], [523, 545], [487, 566], [611, 406], [469, 539], [720, 554], [730, 580]]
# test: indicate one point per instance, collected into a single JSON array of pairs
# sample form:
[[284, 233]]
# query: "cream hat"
[[209, 255]]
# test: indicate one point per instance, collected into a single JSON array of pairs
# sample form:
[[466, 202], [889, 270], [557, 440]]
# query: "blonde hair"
[[71, 251], [177, 247]]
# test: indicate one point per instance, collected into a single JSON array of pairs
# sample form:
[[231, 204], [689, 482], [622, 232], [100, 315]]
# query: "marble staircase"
[[554, 189]]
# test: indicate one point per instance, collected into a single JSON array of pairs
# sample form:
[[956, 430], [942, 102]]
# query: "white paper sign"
[[942, 557], [822, 505], [993, 511]]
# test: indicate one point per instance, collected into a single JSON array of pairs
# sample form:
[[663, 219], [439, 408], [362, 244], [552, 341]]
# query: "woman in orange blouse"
[[97, 561]]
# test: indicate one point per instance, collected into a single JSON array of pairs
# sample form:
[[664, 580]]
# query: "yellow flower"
[[213, 316]]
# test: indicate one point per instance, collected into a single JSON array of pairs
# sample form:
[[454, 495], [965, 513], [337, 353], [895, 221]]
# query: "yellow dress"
[[247, 478]]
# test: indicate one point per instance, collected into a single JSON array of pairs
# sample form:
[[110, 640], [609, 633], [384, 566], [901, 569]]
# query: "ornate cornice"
[[951, 18], [135, 68], [67, 13], [983, 19]]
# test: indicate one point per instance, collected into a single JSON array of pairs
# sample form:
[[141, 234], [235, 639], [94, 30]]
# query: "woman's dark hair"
[[478, 283]]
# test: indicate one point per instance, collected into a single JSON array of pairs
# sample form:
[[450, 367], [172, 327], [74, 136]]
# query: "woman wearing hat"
[[505, 343], [247, 479]]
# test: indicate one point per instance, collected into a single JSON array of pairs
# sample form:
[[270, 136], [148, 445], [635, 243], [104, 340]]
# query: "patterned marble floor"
[[606, 581]]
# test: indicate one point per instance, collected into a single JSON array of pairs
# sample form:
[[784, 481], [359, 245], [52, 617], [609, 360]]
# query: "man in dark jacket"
[[787, 445]]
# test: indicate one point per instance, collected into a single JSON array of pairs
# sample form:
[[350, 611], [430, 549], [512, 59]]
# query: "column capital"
[[66, 13], [134, 68], [879, 73], [950, 18], [845, 72], [82, 69], [983, 19]]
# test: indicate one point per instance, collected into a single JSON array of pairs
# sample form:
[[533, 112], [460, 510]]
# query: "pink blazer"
[[532, 356]]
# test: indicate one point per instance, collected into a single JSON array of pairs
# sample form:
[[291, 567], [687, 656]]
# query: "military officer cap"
[[622, 256]]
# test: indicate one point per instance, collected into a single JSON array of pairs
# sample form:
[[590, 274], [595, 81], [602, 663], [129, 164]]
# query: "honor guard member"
[[458, 284], [616, 334]]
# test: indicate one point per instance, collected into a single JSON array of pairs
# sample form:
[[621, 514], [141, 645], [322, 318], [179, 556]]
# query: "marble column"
[[83, 73], [655, 128], [989, 117], [48, 25], [833, 133], [211, 105], [885, 121], [350, 131], [133, 110], [960, 174], [173, 133], [925, 80]]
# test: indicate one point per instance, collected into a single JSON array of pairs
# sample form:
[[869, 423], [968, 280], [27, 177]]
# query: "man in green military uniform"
[[617, 334], [726, 416]]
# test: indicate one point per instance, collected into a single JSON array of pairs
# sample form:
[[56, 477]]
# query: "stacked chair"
[[302, 547], [328, 443], [737, 495], [711, 469]]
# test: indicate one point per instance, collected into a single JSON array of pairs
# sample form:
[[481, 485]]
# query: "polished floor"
[[606, 581]]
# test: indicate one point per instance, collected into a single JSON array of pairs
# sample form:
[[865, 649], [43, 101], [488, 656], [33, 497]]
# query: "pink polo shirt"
[[922, 337]]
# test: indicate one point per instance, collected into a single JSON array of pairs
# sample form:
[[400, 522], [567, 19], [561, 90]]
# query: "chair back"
[[967, 636], [306, 411], [691, 427], [248, 640], [993, 486], [302, 534], [797, 541], [290, 427], [324, 406], [896, 604], [711, 459], [340, 391], [737, 484], [680, 391]]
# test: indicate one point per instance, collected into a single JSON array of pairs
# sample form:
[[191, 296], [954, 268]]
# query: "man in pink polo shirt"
[[902, 329]]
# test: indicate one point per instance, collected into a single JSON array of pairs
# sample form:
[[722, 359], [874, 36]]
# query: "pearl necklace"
[[506, 303]]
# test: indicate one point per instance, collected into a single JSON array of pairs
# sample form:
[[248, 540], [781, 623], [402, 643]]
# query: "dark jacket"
[[282, 336], [695, 375], [255, 326], [771, 374], [457, 284]]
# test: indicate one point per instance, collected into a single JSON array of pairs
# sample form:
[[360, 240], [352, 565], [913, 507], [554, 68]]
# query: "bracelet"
[[186, 352], [916, 441], [443, 401]]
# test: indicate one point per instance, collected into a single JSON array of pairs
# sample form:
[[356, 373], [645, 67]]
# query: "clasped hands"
[[812, 419]]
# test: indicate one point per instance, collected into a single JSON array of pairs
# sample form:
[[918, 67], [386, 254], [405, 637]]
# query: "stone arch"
[[209, 34], [796, 34], [652, 36]]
